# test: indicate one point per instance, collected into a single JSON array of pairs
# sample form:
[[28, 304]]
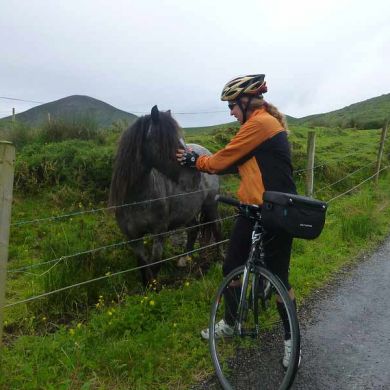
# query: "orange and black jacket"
[[261, 153]]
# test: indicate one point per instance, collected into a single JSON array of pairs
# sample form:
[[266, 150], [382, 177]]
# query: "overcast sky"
[[318, 56]]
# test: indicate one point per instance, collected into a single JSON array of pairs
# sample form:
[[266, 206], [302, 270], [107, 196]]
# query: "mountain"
[[368, 114], [73, 108]]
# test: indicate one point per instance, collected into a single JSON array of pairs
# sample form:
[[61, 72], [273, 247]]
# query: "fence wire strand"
[[66, 257], [114, 274], [358, 185], [62, 258], [77, 213], [345, 177]]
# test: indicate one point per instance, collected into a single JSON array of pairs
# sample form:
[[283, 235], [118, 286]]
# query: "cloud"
[[180, 54]]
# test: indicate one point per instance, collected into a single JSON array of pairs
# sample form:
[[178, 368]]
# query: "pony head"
[[162, 140], [149, 143]]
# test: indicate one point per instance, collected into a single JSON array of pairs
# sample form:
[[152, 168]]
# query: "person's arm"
[[250, 136]]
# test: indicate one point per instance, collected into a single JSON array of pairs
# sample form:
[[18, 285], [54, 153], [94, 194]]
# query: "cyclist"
[[260, 152]]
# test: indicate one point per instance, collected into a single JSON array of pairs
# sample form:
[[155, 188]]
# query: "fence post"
[[7, 162], [380, 152], [311, 146], [13, 115]]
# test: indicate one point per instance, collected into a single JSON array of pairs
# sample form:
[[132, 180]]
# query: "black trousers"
[[277, 249]]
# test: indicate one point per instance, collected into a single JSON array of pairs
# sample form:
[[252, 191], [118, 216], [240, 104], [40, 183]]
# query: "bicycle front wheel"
[[248, 346]]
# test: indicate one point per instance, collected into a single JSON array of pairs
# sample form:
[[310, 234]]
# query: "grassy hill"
[[112, 334], [75, 107], [368, 114]]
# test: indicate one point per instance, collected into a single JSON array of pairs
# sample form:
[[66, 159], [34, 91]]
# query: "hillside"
[[368, 114], [74, 107]]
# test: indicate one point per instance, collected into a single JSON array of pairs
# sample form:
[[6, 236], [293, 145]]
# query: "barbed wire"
[[324, 164], [358, 185], [76, 213], [345, 177], [163, 260], [130, 111], [114, 274], [185, 113], [21, 100], [309, 169], [63, 258]]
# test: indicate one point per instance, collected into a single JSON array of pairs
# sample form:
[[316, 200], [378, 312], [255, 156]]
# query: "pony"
[[154, 193]]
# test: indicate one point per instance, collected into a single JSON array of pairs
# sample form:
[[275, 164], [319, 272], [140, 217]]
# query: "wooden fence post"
[[13, 115], [311, 146], [380, 152], [7, 163]]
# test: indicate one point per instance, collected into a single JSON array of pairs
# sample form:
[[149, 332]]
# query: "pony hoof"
[[183, 261]]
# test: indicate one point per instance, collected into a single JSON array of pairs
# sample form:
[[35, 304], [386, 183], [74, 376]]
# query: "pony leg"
[[157, 250], [142, 260], [192, 235], [210, 214]]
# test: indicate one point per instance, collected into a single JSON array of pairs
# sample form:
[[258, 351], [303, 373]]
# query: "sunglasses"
[[231, 106]]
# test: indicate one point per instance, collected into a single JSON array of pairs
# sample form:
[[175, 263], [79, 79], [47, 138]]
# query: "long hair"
[[128, 163], [256, 103], [150, 142]]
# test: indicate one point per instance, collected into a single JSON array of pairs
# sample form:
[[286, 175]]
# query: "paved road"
[[346, 331], [347, 345]]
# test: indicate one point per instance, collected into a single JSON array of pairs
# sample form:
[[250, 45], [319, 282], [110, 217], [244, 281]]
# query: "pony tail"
[[272, 110]]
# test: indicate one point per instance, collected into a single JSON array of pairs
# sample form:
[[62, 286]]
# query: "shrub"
[[18, 133], [59, 130], [81, 164]]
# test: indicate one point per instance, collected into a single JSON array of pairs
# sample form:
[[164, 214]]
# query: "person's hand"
[[187, 157]]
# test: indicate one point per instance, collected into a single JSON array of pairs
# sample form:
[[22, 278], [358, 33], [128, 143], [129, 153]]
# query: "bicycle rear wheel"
[[250, 357]]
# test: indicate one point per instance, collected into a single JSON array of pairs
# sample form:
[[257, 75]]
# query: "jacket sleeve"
[[250, 135]]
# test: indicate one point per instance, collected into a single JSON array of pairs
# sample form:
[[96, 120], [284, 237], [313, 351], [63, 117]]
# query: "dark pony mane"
[[151, 141]]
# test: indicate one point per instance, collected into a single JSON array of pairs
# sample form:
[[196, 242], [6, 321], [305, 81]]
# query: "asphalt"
[[346, 337], [345, 330]]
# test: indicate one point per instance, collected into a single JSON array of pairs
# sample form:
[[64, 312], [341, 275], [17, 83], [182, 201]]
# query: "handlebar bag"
[[297, 215]]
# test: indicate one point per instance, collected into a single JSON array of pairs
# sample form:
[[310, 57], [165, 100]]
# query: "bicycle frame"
[[255, 259]]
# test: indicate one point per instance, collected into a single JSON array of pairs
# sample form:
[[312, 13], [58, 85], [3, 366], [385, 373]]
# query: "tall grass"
[[151, 340], [118, 342]]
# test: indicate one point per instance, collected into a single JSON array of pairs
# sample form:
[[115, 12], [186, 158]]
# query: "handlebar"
[[251, 211], [230, 201]]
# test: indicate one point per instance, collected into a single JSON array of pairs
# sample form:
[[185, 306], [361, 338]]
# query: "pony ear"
[[155, 114]]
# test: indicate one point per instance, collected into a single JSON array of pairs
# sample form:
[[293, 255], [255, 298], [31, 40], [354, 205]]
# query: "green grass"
[[151, 340], [100, 337], [368, 114]]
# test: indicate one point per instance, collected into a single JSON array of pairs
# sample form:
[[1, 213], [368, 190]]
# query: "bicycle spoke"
[[251, 357]]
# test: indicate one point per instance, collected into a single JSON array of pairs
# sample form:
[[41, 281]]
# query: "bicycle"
[[251, 357]]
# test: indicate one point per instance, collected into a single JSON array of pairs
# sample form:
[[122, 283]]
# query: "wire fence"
[[200, 112], [345, 177], [115, 274], [358, 185], [122, 243], [57, 261]]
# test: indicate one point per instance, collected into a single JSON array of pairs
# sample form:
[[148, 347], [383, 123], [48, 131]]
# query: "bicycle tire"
[[251, 357]]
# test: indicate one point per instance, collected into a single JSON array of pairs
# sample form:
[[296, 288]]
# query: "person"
[[260, 152]]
